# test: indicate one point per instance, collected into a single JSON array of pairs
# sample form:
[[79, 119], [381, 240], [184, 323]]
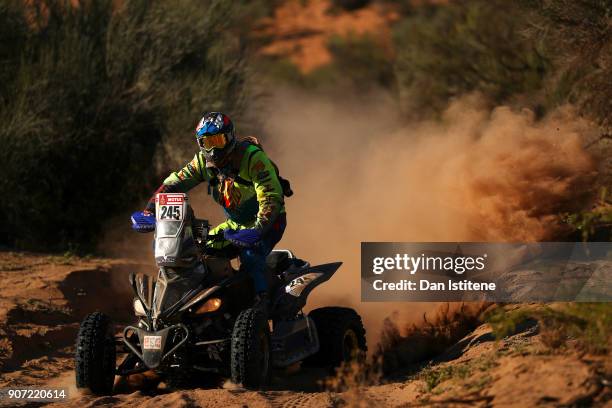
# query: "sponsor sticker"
[[297, 285], [165, 198]]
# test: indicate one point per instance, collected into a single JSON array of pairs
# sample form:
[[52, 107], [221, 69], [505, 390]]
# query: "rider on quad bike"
[[198, 316], [245, 182]]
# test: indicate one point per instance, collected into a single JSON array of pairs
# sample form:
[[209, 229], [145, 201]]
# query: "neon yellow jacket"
[[248, 188]]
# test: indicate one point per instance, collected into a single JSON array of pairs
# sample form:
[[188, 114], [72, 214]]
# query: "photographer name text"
[[446, 264], [424, 284]]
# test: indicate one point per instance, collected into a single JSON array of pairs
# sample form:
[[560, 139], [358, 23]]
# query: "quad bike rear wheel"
[[341, 336], [95, 354], [250, 359]]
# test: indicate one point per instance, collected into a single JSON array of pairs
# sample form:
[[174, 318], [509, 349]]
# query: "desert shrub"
[[417, 343], [594, 224], [538, 54], [366, 58], [433, 376], [12, 37], [280, 70], [577, 36], [446, 50], [590, 324], [90, 93]]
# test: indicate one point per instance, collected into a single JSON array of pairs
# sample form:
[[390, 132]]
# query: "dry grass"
[[398, 348], [354, 375], [420, 342]]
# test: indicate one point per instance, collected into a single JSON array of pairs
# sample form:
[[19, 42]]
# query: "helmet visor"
[[209, 142]]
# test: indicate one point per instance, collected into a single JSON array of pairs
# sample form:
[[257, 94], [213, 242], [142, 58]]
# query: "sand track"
[[43, 299]]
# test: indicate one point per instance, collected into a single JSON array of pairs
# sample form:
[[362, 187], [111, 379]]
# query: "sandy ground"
[[43, 298]]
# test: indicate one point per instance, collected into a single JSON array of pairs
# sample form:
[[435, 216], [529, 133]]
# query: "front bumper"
[[151, 347]]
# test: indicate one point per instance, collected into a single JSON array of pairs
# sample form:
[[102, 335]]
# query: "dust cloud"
[[360, 174]]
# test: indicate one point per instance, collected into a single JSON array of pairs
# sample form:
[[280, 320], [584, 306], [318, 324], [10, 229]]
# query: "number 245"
[[171, 211]]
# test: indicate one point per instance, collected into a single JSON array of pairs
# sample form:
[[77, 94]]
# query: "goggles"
[[209, 142]]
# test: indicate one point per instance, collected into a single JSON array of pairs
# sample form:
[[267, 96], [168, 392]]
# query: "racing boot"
[[262, 303]]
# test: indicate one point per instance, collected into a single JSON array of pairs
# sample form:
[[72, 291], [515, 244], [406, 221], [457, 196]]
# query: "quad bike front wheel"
[[250, 359], [341, 336], [95, 354]]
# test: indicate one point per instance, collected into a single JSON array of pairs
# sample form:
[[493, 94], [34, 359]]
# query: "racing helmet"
[[216, 137]]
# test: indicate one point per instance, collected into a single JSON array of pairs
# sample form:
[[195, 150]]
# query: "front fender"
[[153, 350]]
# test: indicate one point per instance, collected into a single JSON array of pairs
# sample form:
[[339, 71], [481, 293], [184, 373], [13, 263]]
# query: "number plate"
[[171, 207], [152, 343]]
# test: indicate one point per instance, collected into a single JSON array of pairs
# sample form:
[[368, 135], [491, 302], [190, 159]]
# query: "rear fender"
[[291, 297]]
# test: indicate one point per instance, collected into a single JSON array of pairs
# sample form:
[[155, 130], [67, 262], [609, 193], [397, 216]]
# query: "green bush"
[[577, 36], [590, 324], [594, 224], [90, 93], [447, 50], [366, 58]]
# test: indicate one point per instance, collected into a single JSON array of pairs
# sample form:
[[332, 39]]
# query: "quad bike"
[[197, 316]]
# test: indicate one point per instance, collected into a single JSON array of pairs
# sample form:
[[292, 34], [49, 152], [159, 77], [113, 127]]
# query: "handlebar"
[[227, 251], [201, 228]]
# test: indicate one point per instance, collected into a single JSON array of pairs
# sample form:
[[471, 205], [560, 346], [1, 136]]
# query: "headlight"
[[210, 305], [139, 308]]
